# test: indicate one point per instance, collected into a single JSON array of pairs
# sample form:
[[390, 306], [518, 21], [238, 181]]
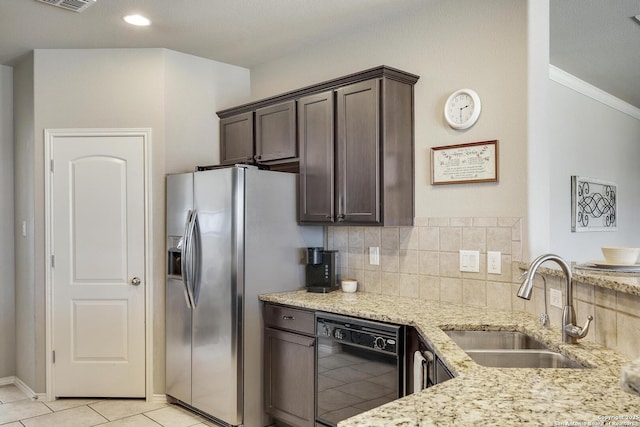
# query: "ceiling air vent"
[[75, 5]]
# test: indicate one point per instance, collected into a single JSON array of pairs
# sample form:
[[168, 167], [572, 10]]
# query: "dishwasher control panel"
[[359, 332]]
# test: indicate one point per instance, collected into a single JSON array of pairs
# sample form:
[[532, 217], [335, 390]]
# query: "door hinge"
[[53, 261], [53, 356], [51, 166]]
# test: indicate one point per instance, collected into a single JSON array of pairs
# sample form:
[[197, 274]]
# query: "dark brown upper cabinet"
[[276, 133], [264, 136], [354, 144], [316, 141], [236, 139], [356, 154]]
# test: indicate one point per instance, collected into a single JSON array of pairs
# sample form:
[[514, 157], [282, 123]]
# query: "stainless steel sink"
[[522, 359], [494, 340], [509, 349]]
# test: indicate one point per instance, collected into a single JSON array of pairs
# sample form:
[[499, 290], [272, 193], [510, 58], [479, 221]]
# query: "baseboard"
[[27, 390], [158, 398], [7, 381], [23, 387]]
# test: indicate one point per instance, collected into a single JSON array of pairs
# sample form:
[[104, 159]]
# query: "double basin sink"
[[509, 349]]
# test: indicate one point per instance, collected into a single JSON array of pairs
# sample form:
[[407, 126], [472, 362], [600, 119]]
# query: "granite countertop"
[[482, 396], [617, 280]]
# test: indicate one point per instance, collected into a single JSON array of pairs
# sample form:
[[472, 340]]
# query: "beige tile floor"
[[17, 410]]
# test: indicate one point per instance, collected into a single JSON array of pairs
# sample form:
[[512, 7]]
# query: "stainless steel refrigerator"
[[232, 234]]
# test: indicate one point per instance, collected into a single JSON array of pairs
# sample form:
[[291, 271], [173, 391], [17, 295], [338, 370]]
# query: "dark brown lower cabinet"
[[289, 377], [289, 365]]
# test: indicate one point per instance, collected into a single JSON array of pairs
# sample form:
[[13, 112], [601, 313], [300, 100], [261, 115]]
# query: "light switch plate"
[[374, 255], [555, 297], [494, 262], [470, 261]]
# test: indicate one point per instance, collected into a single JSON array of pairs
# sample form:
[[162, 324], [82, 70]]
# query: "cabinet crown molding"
[[377, 72]]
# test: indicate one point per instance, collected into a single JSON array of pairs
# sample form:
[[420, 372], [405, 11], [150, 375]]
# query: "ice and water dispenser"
[[174, 257]]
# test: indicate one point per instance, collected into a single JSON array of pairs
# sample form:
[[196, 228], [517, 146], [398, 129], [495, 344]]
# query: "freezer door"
[[177, 314], [217, 380]]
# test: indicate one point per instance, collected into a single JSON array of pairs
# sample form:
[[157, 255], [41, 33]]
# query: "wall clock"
[[462, 109]]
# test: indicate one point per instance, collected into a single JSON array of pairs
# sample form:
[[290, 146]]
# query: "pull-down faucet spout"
[[570, 332]]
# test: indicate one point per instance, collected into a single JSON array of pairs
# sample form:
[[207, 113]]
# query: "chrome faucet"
[[570, 332]]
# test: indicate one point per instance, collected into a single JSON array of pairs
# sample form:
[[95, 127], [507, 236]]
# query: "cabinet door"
[[276, 132], [358, 152], [315, 136], [236, 139], [289, 377]]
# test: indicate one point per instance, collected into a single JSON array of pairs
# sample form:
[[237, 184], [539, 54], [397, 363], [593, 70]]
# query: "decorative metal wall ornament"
[[594, 205]]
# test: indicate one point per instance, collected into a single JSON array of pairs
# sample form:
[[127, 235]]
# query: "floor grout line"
[[196, 418]]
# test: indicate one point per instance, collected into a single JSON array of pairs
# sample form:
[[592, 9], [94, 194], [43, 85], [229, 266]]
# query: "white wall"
[[93, 89], [538, 167], [589, 138], [195, 88], [450, 45], [118, 88], [7, 227], [24, 163]]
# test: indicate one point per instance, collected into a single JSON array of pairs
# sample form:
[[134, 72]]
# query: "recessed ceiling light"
[[138, 20]]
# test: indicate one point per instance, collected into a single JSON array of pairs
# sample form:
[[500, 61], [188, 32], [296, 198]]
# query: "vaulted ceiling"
[[599, 42]]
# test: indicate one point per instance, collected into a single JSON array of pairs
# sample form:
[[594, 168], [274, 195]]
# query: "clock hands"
[[462, 108]]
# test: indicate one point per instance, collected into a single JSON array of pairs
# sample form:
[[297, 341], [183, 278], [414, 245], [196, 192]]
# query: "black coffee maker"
[[323, 270]]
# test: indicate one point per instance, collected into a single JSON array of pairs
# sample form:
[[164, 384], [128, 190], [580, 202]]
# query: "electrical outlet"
[[555, 297], [494, 262], [470, 261], [374, 255]]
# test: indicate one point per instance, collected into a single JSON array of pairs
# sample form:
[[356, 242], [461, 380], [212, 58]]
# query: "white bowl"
[[620, 255], [349, 285]]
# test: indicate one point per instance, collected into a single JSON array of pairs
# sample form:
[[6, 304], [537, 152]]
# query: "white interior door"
[[98, 295]]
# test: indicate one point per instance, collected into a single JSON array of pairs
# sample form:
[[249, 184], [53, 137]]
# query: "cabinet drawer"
[[288, 318]]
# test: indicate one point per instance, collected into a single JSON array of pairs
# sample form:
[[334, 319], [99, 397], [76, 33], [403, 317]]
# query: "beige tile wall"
[[423, 262], [616, 314]]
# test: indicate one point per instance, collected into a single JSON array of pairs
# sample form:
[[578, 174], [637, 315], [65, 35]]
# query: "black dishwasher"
[[359, 366]]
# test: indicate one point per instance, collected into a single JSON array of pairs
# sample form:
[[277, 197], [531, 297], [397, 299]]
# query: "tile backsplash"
[[423, 262], [616, 315]]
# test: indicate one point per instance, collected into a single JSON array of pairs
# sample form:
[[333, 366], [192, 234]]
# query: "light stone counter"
[[627, 282], [482, 396]]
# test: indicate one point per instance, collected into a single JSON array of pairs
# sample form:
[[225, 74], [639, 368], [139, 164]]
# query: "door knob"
[[136, 281]]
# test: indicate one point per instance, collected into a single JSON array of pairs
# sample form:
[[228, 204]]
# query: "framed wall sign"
[[465, 163], [594, 204]]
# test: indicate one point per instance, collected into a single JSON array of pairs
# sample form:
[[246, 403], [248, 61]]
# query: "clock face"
[[462, 109]]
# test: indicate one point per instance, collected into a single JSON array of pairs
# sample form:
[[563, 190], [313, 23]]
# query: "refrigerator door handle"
[[183, 259], [194, 243], [187, 270]]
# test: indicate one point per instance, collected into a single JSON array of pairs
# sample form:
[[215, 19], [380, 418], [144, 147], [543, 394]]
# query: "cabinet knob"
[[288, 318], [341, 217], [257, 157]]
